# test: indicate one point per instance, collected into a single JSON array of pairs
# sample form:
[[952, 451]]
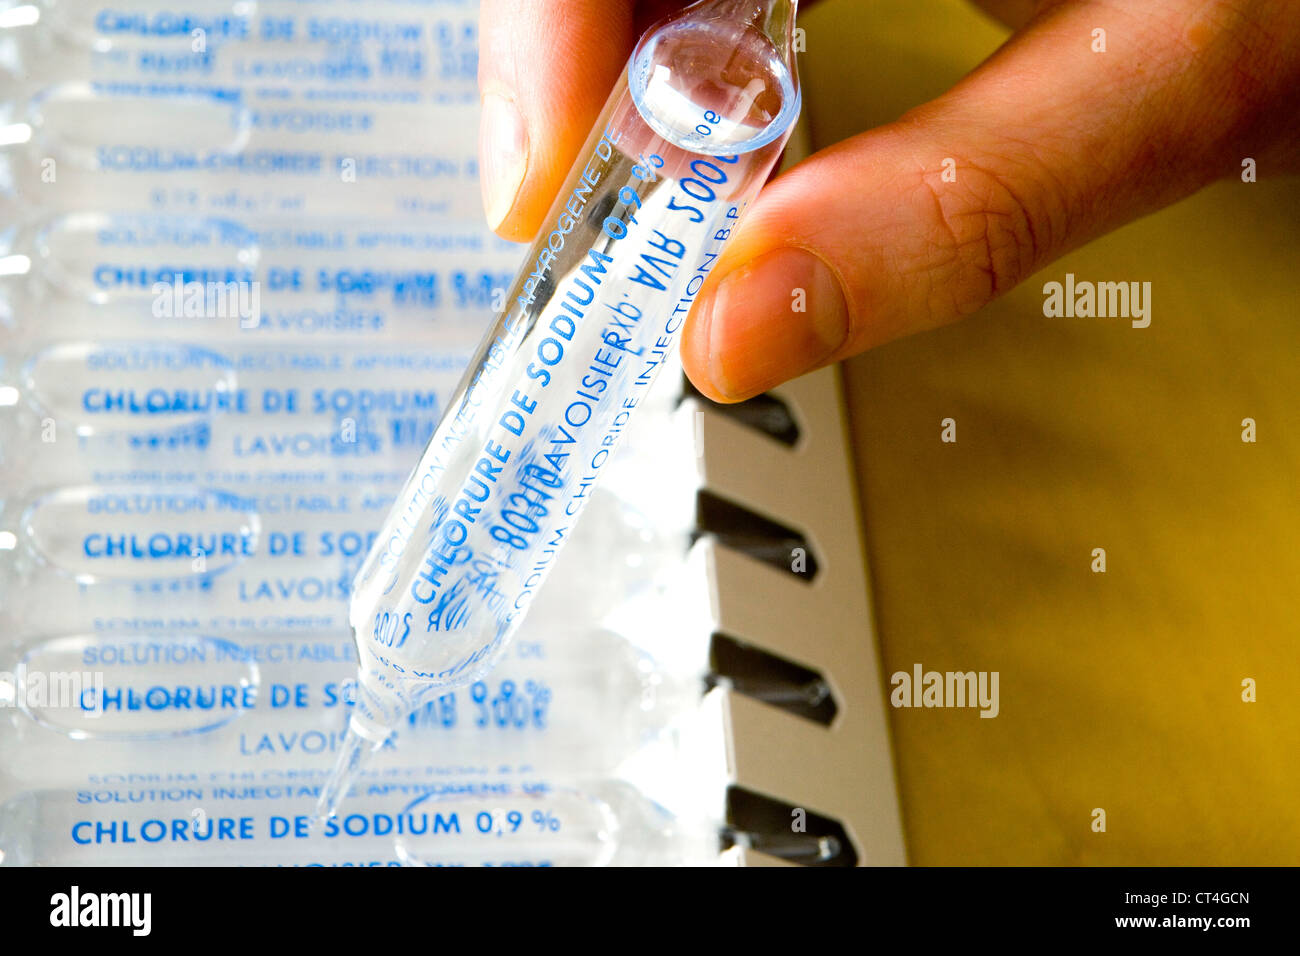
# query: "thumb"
[[1048, 144]]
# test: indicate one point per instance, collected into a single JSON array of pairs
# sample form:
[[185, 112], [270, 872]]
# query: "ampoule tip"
[[352, 754]]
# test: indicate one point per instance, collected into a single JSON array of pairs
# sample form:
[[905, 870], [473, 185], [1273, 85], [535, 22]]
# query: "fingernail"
[[773, 319], [503, 155]]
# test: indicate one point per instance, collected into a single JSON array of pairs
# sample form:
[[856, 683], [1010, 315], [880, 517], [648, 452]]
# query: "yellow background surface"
[[1121, 690]]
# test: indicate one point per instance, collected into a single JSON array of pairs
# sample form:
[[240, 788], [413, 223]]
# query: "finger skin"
[[555, 61], [1052, 145]]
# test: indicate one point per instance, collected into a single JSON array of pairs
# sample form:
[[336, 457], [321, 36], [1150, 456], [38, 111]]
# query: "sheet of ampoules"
[[246, 267]]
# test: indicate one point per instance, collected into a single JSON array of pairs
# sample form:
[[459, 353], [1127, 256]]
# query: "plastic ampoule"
[[686, 140]]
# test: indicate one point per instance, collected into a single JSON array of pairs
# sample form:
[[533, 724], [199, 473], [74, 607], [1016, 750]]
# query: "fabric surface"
[[1119, 690]]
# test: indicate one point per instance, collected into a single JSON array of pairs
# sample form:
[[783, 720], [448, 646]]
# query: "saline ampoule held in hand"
[[686, 140]]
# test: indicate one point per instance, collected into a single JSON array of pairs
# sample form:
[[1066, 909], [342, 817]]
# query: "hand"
[[1054, 144]]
